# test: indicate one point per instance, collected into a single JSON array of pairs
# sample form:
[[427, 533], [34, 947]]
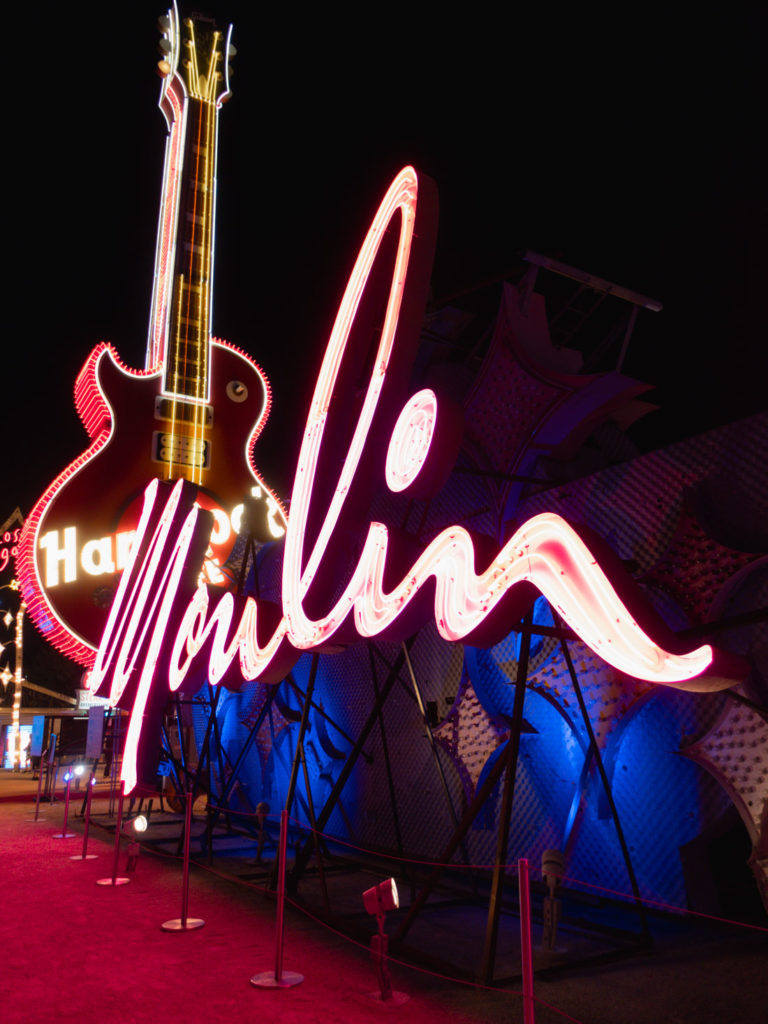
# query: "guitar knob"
[[237, 391]]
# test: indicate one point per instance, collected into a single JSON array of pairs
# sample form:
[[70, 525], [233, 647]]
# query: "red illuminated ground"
[[75, 951]]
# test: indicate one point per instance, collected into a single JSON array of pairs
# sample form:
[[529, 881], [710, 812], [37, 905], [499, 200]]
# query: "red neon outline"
[[97, 417], [166, 242], [94, 410]]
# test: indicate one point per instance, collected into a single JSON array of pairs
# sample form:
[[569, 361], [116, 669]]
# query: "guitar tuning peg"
[[163, 68], [163, 23], [164, 46], [231, 52]]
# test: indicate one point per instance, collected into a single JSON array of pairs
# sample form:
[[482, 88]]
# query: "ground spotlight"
[[378, 900], [381, 898]]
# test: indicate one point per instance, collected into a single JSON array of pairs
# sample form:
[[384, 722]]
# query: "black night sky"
[[633, 150]]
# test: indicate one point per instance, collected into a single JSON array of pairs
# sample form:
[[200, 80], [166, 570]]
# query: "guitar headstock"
[[196, 54]]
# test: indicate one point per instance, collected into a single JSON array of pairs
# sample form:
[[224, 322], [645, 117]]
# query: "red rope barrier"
[[510, 868]]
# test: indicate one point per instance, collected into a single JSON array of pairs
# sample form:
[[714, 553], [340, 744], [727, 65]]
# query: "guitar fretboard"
[[186, 365]]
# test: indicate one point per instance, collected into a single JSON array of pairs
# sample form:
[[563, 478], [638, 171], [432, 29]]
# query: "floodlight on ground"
[[381, 898], [378, 900], [79, 769], [140, 823]]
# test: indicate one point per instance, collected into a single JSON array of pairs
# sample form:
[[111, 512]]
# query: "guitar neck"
[[187, 351], [180, 319]]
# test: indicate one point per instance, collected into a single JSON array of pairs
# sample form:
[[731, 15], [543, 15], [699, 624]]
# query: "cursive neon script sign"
[[156, 631]]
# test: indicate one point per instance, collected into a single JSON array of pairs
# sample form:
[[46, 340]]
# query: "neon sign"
[[8, 549], [160, 624], [196, 409]]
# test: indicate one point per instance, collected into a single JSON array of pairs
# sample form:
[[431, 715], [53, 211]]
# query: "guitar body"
[[78, 535]]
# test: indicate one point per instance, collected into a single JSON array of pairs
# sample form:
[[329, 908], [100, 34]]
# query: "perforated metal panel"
[[691, 519]]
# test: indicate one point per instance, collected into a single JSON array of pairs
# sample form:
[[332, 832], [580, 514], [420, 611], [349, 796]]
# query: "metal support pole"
[[302, 857], [495, 773], [184, 923], [279, 978], [497, 886], [434, 749], [606, 784], [302, 732], [385, 749], [205, 755], [526, 946], [230, 785], [315, 833], [299, 751]]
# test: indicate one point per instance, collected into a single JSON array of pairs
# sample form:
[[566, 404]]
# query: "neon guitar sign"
[[160, 623], [194, 412]]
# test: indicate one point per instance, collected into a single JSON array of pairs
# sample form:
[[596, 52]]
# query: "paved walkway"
[[76, 951]]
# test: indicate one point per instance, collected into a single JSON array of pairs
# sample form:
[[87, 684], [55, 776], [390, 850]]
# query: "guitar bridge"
[[180, 450]]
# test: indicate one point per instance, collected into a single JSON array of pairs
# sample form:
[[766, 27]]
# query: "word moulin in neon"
[[158, 627]]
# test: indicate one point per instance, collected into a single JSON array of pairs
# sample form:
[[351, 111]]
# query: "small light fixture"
[[377, 901], [140, 823], [381, 898]]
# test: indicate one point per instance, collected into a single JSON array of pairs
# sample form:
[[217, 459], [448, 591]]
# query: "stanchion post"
[[64, 834], [85, 855], [526, 946], [185, 923], [279, 978], [114, 880], [43, 757], [280, 917]]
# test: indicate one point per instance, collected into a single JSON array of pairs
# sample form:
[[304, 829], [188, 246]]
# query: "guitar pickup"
[[183, 412], [180, 450]]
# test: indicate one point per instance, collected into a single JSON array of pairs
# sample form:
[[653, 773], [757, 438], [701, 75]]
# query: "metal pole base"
[[88, 856], [113, 881], [268, 979], [178, 925], [64, 835], [393, 999]]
